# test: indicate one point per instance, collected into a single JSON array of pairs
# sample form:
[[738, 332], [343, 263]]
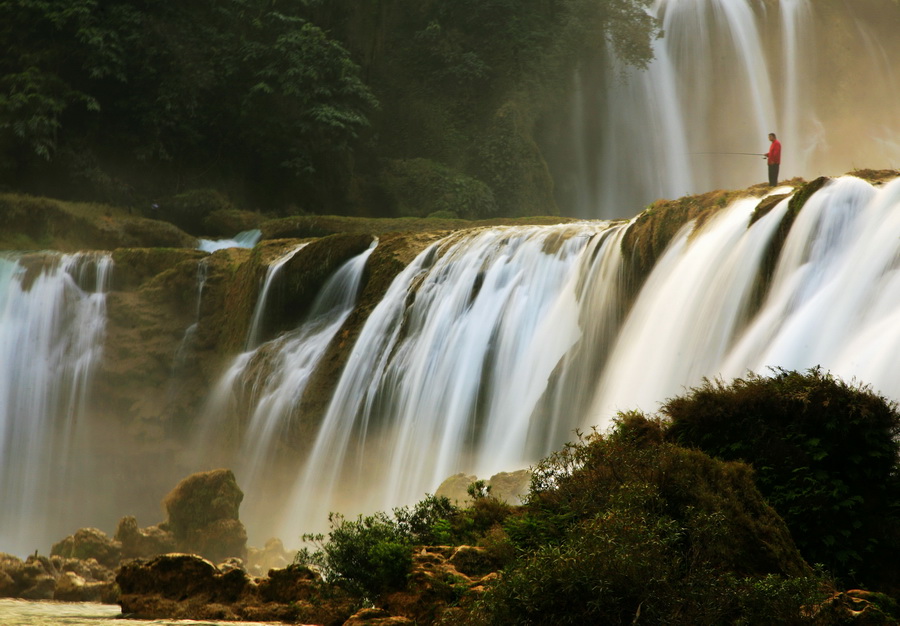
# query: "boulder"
[[271, 556], [177, 576], [58, 578], [89, 543], [203, 515], [510, 486], [291, 584], [143, 542], [505, 486], [71, 587], [377, 617], [455, 488], [182, 586]]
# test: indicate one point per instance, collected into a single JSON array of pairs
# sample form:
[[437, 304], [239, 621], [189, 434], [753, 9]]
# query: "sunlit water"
[[727, 73], [47, 613], [246, 239]]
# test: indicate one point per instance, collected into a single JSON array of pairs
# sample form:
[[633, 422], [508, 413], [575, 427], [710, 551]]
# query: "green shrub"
[[369, 556], [428, 521], [628, 529], [421, 187], [188, 210], [825, 455]]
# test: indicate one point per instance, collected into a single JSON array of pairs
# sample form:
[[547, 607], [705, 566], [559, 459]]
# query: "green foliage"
[[126, 101], [428, 521], [372, 555], [420, 187], [369, 556], [475, 43], [189, 210], [627, 529], [825, 455], [233, 92]]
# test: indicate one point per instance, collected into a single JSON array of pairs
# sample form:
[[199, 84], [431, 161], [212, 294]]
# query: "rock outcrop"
[[505, 486], [181, 586], [56, 578], [143, 542], [203, 515], [89, 543]]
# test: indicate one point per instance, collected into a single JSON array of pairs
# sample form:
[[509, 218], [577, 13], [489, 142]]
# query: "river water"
[[47, 613]]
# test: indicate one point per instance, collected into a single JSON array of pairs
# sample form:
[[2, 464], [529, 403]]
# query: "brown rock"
[[143, 542], [203, 515], [89, 543], [473, 561], [71, 587], [291, 584]]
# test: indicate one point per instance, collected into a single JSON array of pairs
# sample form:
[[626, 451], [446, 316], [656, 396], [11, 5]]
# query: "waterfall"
[[449, 368], [245, 239], [264, 386], [52, 322], [492, 347], [495, 344], [253, 336], [834, 301], [725, 74]]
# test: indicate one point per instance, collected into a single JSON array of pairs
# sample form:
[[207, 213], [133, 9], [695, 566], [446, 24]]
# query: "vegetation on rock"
[[826, 455]]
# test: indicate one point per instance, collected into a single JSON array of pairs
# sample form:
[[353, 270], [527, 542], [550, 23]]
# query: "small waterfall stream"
[[264, 386]]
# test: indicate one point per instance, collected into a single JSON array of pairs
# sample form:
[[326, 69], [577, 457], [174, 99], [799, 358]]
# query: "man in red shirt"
[[773, 158]]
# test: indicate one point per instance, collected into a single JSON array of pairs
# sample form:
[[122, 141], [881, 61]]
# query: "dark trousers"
[[773, 174]]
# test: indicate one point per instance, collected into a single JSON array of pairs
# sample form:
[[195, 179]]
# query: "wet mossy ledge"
[[654, 228]]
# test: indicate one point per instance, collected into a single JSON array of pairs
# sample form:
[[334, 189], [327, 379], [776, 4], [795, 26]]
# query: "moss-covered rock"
[[181, 586], [89, 543], [203, 515], [30, 222]]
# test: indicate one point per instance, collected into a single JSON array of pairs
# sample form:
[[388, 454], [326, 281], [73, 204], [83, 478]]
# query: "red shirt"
[[774, 154]]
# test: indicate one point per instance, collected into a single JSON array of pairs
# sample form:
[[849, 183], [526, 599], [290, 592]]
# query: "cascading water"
[[269, 381], [725, 74], [52, 321], [245, 239], [450, 366], [495, 344], [253, 336], [834, 301]]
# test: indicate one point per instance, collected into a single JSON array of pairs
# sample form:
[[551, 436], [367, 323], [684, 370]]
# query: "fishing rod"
[[742, 153]]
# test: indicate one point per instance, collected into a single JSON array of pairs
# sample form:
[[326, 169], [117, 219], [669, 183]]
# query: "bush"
[[428, 521], [421, 187], [370, 556], [825, 455], [188, 210], [625, 529]]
